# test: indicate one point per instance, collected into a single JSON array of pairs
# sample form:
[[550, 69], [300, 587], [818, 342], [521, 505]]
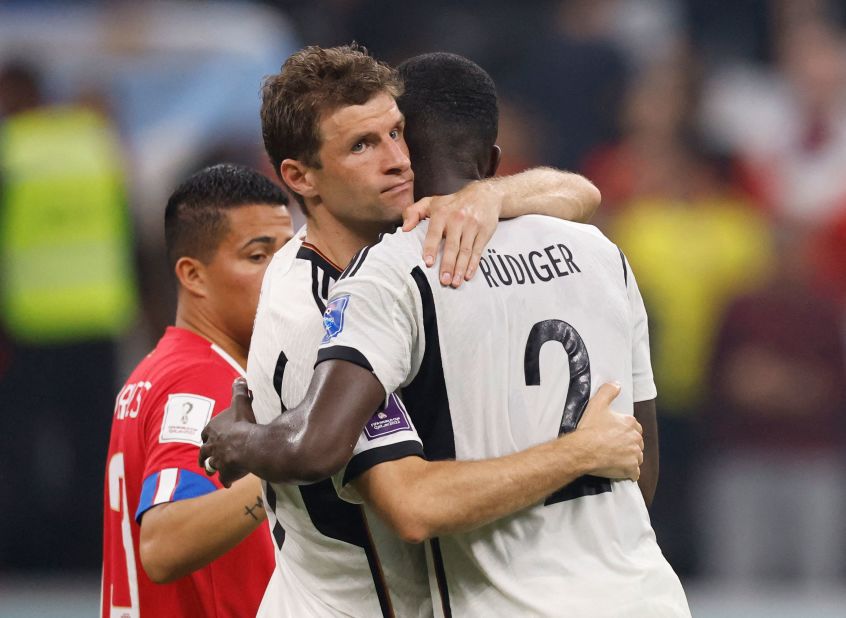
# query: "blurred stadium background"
[[716, 131]]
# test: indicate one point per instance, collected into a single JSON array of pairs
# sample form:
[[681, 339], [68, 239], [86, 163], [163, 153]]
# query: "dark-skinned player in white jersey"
[[467, 494]]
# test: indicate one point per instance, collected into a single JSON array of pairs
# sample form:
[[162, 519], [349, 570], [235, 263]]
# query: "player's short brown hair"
[[312, 82]]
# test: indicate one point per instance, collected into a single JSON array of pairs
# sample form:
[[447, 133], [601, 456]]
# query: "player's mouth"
[[399, 188]]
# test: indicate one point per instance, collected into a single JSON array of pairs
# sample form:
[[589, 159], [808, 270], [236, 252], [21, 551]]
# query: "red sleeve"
[[172, 426]]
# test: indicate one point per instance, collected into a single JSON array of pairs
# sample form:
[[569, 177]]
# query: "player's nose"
[[396, 159]]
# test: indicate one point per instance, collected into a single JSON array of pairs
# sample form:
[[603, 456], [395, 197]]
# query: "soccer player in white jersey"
[[327, 561]]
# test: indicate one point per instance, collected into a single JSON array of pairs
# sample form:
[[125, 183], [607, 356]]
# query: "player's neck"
[[338, 241], [440, 182], [193, 318]]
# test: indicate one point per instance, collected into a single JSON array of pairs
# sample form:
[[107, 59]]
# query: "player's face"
[[235, 272], [365, 175]]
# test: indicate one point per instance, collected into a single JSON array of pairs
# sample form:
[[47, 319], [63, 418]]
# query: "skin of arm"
[[170, 545], [467, 219], [307, 443], [316, 439], [644, 412], [420, 499]]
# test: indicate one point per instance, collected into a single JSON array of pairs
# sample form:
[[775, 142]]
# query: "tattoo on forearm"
[[250, 510]]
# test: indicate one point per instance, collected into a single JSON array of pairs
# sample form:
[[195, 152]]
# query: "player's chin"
[[394, 205]]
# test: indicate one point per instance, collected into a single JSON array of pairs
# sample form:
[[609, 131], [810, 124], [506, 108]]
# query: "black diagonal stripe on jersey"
[[426, 397], [278, 531], [278, 374], [365, 460], [324, 289], [322, 273], [307, 253], [345, 522], [625, 268], [440, 576], [315, 287], [355, 263]]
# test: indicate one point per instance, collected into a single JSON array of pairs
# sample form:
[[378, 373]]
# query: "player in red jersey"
[[164, 520]]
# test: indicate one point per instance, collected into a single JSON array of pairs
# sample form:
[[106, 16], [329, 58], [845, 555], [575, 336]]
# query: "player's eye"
[[358, 147], [258, 258], [395, 134]]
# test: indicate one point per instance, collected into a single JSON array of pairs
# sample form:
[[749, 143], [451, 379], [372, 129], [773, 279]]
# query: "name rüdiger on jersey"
[[533, 267]]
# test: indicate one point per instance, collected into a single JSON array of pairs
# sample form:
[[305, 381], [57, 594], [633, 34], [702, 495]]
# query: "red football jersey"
[[159, 415]]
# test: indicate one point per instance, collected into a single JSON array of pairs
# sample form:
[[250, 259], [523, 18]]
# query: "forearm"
[[287, 450], [436, 498], [180, 537], [547, 191]]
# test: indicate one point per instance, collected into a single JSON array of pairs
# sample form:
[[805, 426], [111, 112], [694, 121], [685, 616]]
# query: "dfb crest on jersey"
[[333, 317]]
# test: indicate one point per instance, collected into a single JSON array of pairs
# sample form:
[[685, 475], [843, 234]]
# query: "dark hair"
[[450, 108], [312, 82], [194, 219]]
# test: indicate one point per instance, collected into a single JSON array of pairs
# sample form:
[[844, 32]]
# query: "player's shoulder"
[[540, 226], [395, 252], [185, 360]]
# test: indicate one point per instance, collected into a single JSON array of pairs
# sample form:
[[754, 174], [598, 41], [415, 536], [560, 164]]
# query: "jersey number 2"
[[578, 393]]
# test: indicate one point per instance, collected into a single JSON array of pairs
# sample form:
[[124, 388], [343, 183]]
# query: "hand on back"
[[616, 439]]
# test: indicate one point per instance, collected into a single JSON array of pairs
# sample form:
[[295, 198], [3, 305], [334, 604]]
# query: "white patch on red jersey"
[[185, 416]]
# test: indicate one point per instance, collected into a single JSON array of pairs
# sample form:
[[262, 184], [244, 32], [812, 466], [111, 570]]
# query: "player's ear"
[[298, 176], [493, 161], [191, 274]]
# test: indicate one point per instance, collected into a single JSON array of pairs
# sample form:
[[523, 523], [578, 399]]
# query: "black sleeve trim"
[[362, 462], [342, 352]]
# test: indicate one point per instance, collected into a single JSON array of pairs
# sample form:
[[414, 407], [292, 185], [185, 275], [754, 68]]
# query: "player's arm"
[[183, 536], [644, 412], [308, 443], [467, 219], [420, 499]]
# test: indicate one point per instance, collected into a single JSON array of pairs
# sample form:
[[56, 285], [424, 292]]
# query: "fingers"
[[452, 245], [607, 393], [475, 257], [414, 214], [240, 388], [433, 239]]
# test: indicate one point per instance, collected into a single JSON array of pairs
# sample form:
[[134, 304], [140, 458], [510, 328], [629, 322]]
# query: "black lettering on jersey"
[[526, 267], [500, 275], [555, 261], [568, 258], [519, 276], [533, 255], [536, 266], [486, 271]]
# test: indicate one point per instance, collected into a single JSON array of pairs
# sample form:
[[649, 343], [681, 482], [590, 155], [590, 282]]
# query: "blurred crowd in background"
[[716, 132]]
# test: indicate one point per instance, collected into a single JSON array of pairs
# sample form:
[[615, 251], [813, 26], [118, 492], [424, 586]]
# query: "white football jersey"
[[328, 563], [506, 362]]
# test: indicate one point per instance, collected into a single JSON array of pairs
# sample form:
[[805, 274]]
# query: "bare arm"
[[304, 445], [644, 412], [547, 191], [183, 536], [419, 499], [466, 220]]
